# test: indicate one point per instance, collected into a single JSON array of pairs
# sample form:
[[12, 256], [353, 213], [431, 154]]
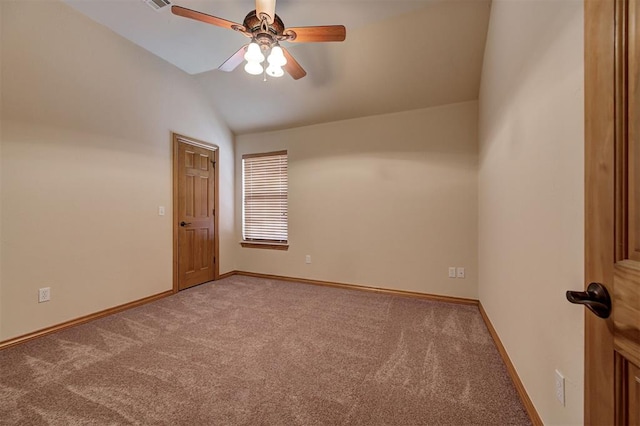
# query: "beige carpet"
[[247, 351]]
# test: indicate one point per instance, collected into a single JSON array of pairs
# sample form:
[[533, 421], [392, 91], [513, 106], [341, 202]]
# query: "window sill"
[[265, 245]]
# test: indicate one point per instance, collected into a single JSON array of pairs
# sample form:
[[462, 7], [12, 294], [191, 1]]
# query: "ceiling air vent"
[[157, 4]]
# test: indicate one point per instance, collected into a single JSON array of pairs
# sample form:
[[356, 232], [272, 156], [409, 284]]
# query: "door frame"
[[177, 138], [604, 44]]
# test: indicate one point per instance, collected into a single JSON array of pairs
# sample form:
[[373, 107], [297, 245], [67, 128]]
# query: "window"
[[264, 200]]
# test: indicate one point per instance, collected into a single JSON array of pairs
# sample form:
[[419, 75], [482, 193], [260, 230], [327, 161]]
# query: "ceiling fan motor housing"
[[254, 25]]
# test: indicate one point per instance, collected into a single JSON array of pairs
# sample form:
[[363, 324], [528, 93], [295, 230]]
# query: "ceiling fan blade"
[[316, 34], [292, 66], [203, 17], [235, 60], [268, 7]]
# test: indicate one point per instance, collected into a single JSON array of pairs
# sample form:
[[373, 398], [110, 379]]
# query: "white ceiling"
[[398, 55]]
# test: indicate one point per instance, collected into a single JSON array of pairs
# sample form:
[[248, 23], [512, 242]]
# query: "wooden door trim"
[[176, 139], [600, 218]]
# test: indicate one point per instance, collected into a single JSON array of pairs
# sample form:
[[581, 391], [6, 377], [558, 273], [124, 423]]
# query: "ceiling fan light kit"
[[274, 71], [254, 54], [266, 31], [276, 58], [253, 68], [276, 61], [255, 58]]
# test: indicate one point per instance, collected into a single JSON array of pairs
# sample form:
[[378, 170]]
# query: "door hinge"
[[213, 212], [213, 163], [214, 259]]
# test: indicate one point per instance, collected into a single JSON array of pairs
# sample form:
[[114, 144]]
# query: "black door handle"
[[596, 298], [183, 223]]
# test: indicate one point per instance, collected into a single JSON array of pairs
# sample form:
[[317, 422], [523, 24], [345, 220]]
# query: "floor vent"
[[157, 4]]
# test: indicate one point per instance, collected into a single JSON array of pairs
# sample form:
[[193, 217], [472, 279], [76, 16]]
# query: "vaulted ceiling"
[[398, 55]]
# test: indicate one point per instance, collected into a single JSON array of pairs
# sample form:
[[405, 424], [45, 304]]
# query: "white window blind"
[[265, 185]]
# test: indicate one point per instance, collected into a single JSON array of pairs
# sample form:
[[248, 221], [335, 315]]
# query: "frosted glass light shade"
[[253, 68], [254, 54], [277, 57], [275, 71]]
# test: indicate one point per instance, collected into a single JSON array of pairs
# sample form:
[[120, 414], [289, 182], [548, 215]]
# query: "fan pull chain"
[[264, 27]]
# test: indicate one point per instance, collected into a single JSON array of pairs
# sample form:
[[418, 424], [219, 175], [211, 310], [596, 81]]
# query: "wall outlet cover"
[[44, 294]]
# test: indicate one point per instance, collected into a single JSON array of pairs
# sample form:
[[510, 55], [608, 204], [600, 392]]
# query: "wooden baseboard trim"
[[524, 397], [226, 275], [404, 293], [67, 324]]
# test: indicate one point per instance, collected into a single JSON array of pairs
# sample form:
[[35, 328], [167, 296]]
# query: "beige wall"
[[531, 194], [86, 161], [386, 201]]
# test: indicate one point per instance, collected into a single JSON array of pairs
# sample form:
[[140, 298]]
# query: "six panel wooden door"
[[195, 215], [626, 278], [612, 237]]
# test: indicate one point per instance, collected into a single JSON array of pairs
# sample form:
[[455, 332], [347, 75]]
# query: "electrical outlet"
[[307, 259], [452, 271], [44, 294], [460, 272], [560, 387]]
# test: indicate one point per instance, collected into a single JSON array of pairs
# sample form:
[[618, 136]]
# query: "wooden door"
[[612, 232], [194, 208]]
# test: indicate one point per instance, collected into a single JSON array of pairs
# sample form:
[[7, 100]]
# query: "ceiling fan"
[[266, 30]]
